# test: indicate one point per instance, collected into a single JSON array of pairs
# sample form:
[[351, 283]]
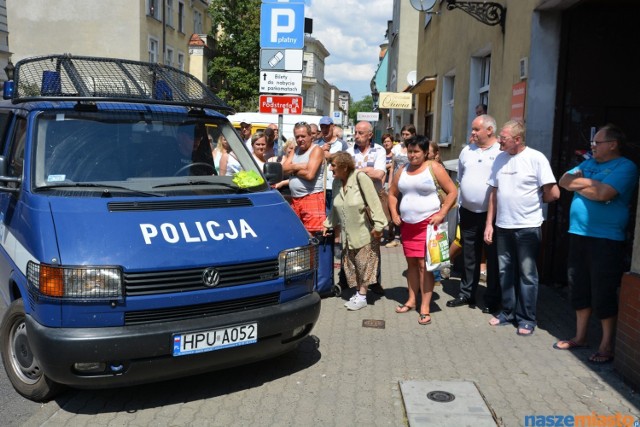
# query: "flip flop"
[[404, 308], [499, 320], [424, 316], [599, 358], [569, 345], [529, 328]]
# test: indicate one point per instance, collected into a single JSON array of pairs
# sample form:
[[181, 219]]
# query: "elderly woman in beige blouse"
[[361, 228]]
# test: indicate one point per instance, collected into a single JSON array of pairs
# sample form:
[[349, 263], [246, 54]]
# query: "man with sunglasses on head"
[[602, 189], [305, 165]]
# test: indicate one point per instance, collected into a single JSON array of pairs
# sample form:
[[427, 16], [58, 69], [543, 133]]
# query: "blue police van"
[[125, 257]]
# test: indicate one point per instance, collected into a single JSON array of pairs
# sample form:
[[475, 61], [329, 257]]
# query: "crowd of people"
[[359, 192]]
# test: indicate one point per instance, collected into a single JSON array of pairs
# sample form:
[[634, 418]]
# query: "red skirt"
[[414, 238]]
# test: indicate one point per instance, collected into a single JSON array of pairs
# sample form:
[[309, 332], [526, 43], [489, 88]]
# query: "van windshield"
[[142, 151]]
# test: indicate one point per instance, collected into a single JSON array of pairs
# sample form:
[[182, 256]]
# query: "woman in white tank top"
[[419, 207]]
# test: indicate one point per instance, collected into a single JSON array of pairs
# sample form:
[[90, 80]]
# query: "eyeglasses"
[[301, 124], [505, 138], [594, 143]]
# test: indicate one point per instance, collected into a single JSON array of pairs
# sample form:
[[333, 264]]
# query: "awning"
[[425, 85]]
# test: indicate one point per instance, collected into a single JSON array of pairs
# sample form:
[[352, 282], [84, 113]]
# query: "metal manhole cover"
[[371, 323], [440, 396]]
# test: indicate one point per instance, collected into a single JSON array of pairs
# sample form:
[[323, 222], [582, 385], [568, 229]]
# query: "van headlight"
[[297, 262], [88, 283]]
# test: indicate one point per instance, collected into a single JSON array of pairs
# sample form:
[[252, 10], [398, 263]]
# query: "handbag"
[[441, 193], [437, 250]]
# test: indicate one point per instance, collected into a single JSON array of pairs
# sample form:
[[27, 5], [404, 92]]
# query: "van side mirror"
[[4, 180], [273, 172]]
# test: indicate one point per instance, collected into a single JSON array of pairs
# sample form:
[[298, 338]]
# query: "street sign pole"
[[280, 125]]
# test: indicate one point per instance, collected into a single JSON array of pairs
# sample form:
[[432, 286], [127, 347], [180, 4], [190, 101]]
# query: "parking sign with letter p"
[[282, 25]]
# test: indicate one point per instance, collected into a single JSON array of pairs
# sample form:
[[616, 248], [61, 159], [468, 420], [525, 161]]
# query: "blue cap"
[[326, 120]]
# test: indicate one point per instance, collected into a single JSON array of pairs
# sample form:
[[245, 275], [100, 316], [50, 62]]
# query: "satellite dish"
[[423, 5], [411, 77]]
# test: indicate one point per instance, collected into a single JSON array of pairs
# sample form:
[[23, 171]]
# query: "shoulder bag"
[[441, 193]]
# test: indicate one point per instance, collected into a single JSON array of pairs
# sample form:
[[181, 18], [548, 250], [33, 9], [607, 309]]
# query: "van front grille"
[[153, 283]]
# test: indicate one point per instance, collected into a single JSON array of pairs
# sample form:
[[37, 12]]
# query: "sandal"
[[600, 358], [499, 320], [404, 308], [568, 345], [526, 330], [422, 318]]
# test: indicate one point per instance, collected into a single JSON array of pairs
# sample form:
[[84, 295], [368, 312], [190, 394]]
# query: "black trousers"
[[472, 227]]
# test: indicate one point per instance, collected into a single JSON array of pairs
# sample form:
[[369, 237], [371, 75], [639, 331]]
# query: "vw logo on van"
[[211, 277]]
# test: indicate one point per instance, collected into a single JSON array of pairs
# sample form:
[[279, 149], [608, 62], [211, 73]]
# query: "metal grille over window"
[[110, 79]]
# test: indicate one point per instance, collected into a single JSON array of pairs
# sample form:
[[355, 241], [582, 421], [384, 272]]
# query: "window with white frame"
[[181, 17], [197, 22], [169, 57], [154, 8], [169, 15], [446, 124], [180, 64], [153, 50]]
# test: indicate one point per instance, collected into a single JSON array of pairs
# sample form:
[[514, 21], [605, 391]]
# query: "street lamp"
[[9, 69]]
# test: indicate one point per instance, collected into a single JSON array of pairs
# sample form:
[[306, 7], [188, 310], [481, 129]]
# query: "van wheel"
[[21, 365]]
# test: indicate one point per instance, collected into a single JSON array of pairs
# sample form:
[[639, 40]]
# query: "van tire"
[[21, 365]]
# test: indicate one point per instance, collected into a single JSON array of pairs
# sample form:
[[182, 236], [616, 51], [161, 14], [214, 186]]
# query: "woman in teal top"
[[361, 228]]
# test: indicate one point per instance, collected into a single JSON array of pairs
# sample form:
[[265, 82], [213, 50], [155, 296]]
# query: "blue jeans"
[[517, 252]]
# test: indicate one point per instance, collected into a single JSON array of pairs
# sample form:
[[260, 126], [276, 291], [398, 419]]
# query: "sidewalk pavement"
[[353, 378]]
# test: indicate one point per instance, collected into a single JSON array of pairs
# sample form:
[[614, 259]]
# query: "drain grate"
[[440, 396]]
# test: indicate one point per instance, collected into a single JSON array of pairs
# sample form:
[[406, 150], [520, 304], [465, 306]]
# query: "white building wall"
[[80, 27]]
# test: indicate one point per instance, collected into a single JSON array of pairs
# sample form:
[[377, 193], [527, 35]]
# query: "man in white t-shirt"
[[474, 170], [245, 134], [522, 181], [369, 157]]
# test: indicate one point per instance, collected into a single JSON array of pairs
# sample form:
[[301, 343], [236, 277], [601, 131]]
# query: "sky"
[[352, 31]]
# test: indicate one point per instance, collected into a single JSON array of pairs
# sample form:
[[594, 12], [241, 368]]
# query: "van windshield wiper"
[[94, 185]]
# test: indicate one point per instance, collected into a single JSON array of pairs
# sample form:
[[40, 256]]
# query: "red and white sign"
[[281, 104]]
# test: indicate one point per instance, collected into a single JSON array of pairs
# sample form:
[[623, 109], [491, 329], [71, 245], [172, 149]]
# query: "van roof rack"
[[84, 78]]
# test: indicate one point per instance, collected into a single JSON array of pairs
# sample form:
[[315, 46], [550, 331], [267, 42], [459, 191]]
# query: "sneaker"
[[356, 304], [392, 244], [352, 299]]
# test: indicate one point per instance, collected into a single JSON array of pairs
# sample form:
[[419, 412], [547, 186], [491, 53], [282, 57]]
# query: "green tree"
[[236, 65], [365, 104]]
